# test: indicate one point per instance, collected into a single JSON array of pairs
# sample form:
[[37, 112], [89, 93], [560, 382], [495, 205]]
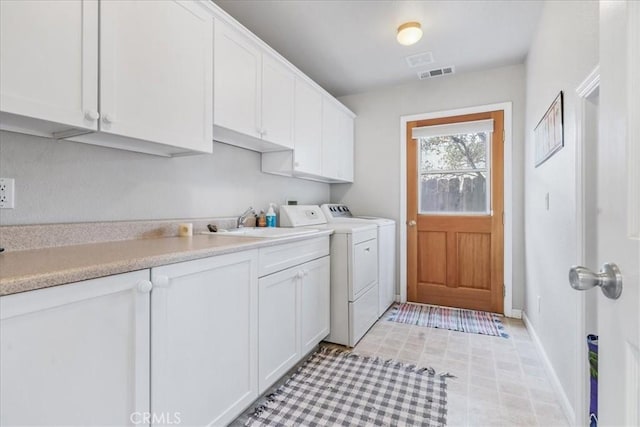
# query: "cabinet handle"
[[161, 282], [367, 250], [91, 115], [144, 286], [109, 118]]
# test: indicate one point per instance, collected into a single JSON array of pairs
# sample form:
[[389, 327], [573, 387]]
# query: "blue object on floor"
[[592, 344]]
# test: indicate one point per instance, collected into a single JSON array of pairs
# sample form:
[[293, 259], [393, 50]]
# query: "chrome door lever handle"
[[609, 279]]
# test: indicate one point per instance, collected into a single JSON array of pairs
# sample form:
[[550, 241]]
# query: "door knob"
[[609, 279], [411, 223], [144, 286], [91, 115]]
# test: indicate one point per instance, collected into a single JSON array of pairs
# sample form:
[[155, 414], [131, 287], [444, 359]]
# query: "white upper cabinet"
[[278, 85], [155, 79], [331, 150], [156, 72], [236, 82], [308, 129], [346, 148], [337, 142], [253, 93], [48, 66]]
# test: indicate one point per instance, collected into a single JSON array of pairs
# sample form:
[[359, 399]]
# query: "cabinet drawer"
[[280, 257], [365, 267], [363, 313]]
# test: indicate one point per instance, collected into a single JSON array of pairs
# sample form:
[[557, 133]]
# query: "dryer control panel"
[[335, 210], [301, 215]]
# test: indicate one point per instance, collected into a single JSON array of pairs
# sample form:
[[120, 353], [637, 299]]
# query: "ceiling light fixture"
[[409, 33]]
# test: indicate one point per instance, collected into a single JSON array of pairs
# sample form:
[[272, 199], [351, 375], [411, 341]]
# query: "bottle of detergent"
[[271, 216]]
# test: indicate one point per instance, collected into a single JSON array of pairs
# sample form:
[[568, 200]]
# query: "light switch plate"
[[7, 193]]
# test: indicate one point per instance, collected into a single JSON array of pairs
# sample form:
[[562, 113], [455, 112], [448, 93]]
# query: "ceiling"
[[349, 46]]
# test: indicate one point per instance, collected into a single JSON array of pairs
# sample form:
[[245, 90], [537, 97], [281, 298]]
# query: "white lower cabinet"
[[279, 325], [294, 317], [77, 354], [205, 338]]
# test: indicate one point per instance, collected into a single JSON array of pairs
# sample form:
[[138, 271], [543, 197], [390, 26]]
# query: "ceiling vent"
[[419, 60], [436, 72]]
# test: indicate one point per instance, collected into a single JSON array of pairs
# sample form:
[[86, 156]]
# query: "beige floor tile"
[[484, 382], [515, 388], [513, 402], [500, 382]]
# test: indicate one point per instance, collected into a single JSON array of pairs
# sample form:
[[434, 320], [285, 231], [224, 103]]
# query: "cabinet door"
[[279, 332], [156, 72], [237, 63], [205, 338], [331, 150], [346, 147], [307, 129], [315, 311], [76, 354], [49, 62], [278, 84]]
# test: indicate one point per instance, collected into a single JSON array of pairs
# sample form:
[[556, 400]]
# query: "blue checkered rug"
[[336, 387]]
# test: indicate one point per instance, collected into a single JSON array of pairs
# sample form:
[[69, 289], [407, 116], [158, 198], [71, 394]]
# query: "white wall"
[[73, 182], [563, 53], [377, 168]]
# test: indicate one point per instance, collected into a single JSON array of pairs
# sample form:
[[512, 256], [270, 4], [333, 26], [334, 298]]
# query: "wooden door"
[[156, 72], [76, 354], [455, 211]]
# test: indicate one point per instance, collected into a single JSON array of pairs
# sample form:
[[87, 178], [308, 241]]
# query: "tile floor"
[[500, 381]]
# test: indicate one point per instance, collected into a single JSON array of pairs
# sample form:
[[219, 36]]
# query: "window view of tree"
[[453, 172]]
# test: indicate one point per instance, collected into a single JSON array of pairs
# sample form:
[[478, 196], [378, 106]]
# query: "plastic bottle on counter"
[[271, 216], [262, 220]]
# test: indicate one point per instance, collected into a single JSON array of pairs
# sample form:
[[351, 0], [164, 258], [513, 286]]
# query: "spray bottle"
[[271, 216]]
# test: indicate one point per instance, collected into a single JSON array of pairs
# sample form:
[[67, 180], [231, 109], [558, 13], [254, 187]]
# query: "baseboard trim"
[[555, 381], [515, 313]]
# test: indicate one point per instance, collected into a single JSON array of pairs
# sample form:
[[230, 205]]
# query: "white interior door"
[[618, 200]]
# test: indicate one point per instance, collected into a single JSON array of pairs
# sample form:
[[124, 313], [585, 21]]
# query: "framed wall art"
[[549, 132]]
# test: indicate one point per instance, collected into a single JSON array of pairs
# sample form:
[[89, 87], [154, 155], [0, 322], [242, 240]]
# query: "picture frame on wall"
[[549, 132]]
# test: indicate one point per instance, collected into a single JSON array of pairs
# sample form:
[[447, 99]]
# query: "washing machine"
[[354, 271], [386, 250]]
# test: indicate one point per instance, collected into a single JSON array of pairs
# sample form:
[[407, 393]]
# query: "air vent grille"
[[436, 72]]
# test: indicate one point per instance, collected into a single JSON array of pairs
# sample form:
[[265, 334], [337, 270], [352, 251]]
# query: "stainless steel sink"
[[265, 232]]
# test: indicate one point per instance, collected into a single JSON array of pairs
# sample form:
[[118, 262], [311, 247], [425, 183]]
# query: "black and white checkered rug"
[[336, 387]]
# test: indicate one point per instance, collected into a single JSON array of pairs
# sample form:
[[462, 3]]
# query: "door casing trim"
[[580, 406], [506, 107]]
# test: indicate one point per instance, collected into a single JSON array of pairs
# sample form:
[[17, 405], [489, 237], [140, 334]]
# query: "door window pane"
[[455, 174]]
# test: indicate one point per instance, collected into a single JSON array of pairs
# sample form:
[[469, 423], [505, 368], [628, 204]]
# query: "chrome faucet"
[[243, 217]]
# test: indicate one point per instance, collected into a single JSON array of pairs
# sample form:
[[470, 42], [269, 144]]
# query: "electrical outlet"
[[7, 193]]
